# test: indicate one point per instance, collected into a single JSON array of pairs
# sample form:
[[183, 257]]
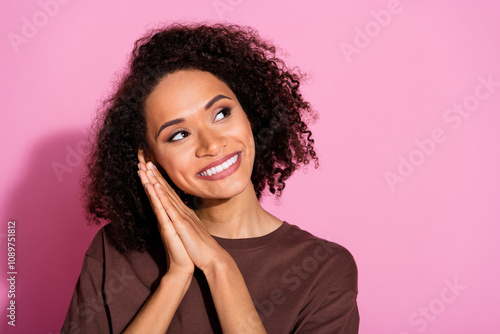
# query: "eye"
[[178, 136], [223, 113]]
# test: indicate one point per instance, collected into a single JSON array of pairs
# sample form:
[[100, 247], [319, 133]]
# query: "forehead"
[[182, 93]]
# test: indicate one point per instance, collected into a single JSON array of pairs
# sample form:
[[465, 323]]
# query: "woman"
[[208, 118]]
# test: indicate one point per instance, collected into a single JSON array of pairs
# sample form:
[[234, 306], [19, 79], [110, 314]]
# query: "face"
[[199, 134]]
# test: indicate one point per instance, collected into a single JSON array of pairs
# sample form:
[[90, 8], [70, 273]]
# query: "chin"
[[223, 193]]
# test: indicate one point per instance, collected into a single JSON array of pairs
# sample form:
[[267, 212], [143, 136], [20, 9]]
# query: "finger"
[[155, 177], [156, 204], [165, 226], [141, 156], [164, 222], [149, 189], [148, 179], [184, 220], [143, 177], [142, 166], [199, 245], [152, 167], [171, 239], [177, 217]]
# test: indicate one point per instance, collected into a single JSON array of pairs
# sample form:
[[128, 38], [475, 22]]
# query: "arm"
[[187, 243], [333, 308], [157, 313], [86, 312], [87, 309], [337, 313], [235, 308]]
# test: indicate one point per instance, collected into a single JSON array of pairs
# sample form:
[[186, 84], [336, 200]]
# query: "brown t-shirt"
[[298, 282]]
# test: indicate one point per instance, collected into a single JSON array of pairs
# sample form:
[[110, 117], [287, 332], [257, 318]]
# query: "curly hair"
[[267, 90]]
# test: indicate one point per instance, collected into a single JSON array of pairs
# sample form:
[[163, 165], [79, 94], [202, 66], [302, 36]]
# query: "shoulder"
[[334, 261], [99, 244]]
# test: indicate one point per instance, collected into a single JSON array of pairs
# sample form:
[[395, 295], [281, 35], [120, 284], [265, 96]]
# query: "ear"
[[145, 155]]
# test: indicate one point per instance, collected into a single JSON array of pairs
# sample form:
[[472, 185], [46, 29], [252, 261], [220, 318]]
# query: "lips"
[[221, 168]]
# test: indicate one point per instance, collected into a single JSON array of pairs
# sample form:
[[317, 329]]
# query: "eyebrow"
[[169, 123], [215, 99], [180, 120]]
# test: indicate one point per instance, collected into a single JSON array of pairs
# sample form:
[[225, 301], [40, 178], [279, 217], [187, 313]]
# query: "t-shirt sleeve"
[[334, 309], [338, 314], [87, 312]]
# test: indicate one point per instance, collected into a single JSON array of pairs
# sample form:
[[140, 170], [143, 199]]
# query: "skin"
[[202, 134]]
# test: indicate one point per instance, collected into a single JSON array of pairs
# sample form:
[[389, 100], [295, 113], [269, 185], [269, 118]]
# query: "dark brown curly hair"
[[267, 90]]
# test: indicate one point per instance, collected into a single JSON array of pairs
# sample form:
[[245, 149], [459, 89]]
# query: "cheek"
[[173, 164], [251, 140], [245, 131]]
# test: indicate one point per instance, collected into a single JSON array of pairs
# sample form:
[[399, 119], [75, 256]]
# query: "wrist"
[[220, 266], [178, 277]]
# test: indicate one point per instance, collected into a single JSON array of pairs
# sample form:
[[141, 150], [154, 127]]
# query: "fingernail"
[[151, 165]]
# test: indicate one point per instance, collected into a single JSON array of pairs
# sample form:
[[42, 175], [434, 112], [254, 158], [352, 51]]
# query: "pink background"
[[380, 101]]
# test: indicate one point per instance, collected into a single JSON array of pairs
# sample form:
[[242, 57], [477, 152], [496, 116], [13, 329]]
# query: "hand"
[[188, 243], [178, 258], [201, 248]]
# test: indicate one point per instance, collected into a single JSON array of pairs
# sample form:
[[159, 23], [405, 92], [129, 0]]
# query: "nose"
[[210, 142]]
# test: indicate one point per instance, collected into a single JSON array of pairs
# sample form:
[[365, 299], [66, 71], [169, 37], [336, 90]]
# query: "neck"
[[238, 217]]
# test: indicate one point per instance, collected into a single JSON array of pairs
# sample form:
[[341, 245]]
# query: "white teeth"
[[217, 169]]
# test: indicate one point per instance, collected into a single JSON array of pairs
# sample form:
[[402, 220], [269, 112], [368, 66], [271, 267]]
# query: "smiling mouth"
[[221, 167]]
